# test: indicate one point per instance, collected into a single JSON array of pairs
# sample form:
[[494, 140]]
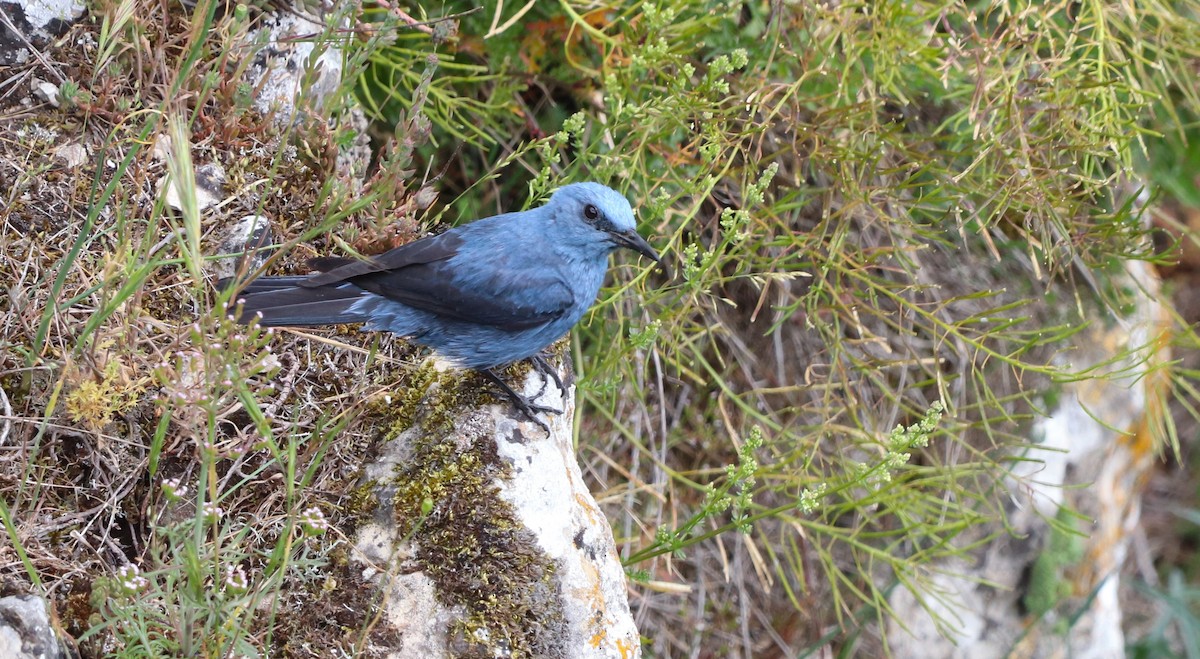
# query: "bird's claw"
[[531, 410], [548, 373], [525, 405]]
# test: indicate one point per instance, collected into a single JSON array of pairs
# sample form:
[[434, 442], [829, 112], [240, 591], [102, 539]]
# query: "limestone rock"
[[487, 540], [25, 630]]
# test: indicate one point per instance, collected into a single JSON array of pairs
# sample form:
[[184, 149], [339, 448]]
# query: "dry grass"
[[117, 368]]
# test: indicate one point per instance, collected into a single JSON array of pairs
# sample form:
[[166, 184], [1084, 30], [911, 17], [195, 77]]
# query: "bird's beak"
[[634, 241]]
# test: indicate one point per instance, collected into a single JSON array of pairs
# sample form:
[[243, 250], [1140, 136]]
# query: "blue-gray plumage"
[[484, 294]]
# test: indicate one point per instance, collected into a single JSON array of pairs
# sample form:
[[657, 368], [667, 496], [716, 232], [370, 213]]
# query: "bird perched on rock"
[[482, 295]]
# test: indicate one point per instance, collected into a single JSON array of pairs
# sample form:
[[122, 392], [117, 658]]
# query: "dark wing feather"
[[424, 275], [280, 301], [327, 263], [426, 250], [437, 288]]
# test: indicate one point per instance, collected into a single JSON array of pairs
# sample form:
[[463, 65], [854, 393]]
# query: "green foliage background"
[[875, 209]]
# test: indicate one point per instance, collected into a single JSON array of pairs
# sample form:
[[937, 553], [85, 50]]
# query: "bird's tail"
[[282, 301]]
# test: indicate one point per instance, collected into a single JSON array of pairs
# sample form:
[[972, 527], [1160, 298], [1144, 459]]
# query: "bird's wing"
[[494, 289], [335, 270]]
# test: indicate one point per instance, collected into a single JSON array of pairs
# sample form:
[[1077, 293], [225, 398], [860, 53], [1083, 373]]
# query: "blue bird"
[[482, 295]]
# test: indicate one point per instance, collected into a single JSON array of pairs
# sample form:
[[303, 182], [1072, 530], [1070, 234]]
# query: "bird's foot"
[[526, 405], [548, 373]]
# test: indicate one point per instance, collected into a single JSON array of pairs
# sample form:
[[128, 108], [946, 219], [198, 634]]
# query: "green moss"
[[470, 542], [1048, 584], [363, 499], [456, 391], [404, 411]]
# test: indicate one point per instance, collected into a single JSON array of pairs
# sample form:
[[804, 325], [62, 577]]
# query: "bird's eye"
[[591, 212]]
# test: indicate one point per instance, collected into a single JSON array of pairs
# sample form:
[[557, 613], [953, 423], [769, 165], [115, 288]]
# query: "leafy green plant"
[[875, 212], [1177, 626]]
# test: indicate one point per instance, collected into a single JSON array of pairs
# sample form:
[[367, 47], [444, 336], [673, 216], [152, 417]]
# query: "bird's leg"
[[526, 406], [548, 372]]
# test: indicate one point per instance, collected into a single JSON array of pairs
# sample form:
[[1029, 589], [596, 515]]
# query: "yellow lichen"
[[95, 400]]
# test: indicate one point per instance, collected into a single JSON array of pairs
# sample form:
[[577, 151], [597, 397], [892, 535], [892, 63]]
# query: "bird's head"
[[600, 216]]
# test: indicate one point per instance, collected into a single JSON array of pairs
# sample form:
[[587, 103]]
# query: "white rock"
[[210, 187], [250, 236], [557, 520], [278, 70], [46, 91], [73, 154], [25, 631], [39, 22]]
